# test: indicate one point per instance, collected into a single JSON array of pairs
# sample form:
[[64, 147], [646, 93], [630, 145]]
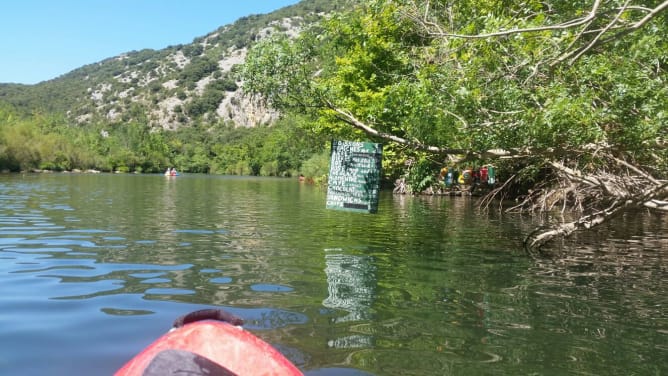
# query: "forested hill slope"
[[180, 85]]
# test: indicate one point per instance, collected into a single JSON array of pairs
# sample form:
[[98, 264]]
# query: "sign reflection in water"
[[351, 284]]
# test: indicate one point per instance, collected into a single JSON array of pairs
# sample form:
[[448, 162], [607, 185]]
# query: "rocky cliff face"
[[180, 85]]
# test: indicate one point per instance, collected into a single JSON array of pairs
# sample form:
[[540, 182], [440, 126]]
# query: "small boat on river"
[[208, 342], [170, 172]]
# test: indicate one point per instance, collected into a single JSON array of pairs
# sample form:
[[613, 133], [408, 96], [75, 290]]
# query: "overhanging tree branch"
[[620, 191], [438, 31], [583, 24], [349, 118]]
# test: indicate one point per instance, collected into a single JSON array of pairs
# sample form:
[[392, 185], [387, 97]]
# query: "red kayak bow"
[[208, 342]]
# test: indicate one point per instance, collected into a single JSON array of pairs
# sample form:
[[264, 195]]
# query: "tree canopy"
[[569, 97]]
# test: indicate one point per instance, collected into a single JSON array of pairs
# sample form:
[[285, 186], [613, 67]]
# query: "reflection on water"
[[100, 265], [351, 283]]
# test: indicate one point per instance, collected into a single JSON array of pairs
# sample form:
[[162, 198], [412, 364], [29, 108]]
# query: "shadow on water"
[[429, 285]]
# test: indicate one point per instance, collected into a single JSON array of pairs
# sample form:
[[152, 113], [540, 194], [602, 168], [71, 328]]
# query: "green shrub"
[[317, 167]]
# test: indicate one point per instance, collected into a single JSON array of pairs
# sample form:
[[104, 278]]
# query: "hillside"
[[180, 85]]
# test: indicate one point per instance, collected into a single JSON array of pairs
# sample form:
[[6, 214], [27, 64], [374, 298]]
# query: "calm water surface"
[[95, 267]]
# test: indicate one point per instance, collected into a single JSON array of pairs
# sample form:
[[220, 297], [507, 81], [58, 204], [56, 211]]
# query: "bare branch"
[[628, 187], [562, 26], [580, 51], [661, 7], [657, 204], [349, 118], [581, 23], [487, 199]]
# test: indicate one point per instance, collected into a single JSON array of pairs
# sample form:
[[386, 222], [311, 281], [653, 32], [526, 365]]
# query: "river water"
[[95, 267]]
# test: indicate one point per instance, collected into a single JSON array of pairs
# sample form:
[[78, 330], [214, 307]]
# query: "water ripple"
[[426, 286]]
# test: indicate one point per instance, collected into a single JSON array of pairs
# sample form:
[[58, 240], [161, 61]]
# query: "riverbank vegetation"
[[50, 142], [569, 101]]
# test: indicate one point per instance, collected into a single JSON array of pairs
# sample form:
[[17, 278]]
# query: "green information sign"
[[354, 176]]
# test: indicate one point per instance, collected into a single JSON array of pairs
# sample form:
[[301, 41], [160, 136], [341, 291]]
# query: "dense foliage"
[[568, 100], [423, 77]]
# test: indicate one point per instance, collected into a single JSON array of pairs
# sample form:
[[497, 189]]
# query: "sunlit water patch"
[[264, 287], [221, 280]]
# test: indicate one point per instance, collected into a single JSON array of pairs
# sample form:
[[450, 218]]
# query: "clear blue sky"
[[43, 39]]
